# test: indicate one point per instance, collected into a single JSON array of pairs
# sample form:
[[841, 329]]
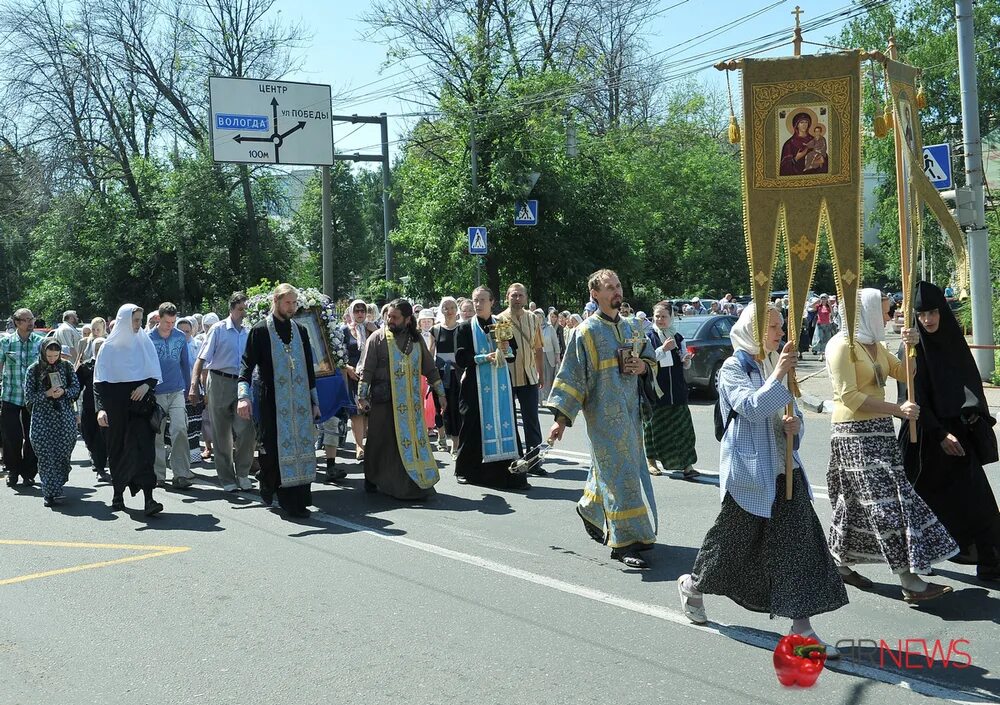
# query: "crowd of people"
[[474, 376]]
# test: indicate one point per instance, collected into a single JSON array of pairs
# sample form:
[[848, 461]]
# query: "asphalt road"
[[478, 596]]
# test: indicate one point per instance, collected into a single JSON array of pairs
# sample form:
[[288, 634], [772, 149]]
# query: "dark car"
[[707, 341]]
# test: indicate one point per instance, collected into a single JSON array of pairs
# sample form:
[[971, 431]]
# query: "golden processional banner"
[[916, 186], [802, 171]]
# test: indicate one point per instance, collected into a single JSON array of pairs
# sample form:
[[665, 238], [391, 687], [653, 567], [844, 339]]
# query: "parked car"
[[707, 341]]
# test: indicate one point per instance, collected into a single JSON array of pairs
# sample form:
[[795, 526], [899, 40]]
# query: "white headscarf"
[[871, 325], [127, 356], [743, 337], [209, 320]]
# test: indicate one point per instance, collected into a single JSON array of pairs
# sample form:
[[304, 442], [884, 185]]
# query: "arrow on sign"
[[241, 139], [302, 124]]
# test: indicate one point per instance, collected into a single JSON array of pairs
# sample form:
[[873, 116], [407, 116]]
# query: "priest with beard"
[[278, 349], [401, 463]]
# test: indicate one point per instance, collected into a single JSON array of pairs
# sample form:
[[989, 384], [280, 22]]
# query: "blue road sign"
[[478, 244], [937, 165], [526, 213]]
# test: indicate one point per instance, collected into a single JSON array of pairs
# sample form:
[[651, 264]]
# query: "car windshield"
[[688, 327]]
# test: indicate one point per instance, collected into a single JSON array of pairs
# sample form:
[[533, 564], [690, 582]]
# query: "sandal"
[[931, 592], [653, 470], [693, 612], [856, 579], [690, 473], [832, 652], [630, 557]]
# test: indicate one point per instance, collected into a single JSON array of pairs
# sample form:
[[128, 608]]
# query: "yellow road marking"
[[151, 552]]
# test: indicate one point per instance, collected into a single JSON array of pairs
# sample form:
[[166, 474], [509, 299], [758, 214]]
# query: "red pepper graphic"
[[798, 660]]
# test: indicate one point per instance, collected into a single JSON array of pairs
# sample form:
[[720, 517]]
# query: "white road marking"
[[921, 686], [584, 459]]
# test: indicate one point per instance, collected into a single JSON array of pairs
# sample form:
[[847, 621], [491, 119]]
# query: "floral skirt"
[[877, 515], [779, 566]]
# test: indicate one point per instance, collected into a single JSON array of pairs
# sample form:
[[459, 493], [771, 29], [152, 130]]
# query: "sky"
[[339, 54]]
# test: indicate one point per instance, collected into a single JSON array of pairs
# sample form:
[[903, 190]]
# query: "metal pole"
[[384, 125], [979, 251], [327, 234], [474, 163]]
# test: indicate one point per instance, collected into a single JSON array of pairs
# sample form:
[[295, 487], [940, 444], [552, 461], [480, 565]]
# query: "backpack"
[[720, 426]]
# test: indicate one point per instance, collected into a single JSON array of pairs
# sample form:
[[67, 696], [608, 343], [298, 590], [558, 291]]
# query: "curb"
[[815, 404]]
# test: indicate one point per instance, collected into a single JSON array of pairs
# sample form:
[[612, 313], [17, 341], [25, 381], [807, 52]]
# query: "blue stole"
[[293, 409], [496, 401], [408, 413]]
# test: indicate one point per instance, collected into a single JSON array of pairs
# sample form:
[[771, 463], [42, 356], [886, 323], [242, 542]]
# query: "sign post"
[[937, 165], [270, 122], [526, 213], [478, 246]]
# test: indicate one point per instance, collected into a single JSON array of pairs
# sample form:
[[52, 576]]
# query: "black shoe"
[[28, 481], [11, 480], [461, 479], [592, 530], [630, 557], [152, 508], [117, 503], [303, 513], [267, 498], [370, 487], [48, 501], [538, 470]]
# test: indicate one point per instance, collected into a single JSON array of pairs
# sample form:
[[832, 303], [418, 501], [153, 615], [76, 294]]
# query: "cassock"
[[488, 440], [589, 380], [279, 351], [400, 462]]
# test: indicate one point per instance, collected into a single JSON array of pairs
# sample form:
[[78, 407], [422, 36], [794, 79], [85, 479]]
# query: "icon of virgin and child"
[[805, 152]]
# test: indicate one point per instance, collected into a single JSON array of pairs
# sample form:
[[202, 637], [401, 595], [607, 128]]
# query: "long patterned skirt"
[[778, 566], [877, 515], [669, 437]]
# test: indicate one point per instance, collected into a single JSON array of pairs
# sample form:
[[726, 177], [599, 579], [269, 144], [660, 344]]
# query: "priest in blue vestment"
[[602, 374]]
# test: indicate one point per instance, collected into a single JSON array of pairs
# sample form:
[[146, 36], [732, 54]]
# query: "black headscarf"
[[947, 362]]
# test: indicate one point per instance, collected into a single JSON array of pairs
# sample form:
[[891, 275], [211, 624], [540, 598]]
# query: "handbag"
[[149, 409]]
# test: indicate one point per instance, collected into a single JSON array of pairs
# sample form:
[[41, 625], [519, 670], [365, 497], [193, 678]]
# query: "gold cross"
[[803, 248]]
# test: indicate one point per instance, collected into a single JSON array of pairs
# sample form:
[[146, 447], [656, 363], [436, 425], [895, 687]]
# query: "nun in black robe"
[[955, 437]]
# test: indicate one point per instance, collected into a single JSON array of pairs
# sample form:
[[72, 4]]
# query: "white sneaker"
[[694, 613], [229, 487], [244, 483]]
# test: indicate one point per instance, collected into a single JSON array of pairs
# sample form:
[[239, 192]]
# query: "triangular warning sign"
[[477, 241], [932, 169], [525, 213]]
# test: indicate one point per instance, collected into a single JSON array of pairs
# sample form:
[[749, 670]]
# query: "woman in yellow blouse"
[[877, 516]]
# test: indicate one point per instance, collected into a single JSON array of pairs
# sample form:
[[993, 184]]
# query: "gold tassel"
[[880, 128], [888, 118], [734, 130], [921, 98]]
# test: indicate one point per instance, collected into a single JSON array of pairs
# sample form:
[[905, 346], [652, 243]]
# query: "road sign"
[[270, 122], [937, 165], [526, 213], [478, 244]]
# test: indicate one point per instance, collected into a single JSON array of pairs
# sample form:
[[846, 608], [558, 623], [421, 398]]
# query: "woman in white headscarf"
[[125, 376], [877, 515], [765, 553]]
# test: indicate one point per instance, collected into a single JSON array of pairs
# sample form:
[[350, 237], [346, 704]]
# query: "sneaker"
[[229, 487], [182, 483], [244, 483], [693, 612]]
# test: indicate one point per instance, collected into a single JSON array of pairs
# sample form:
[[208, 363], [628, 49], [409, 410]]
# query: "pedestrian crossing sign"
[[526, 213], [478, 244], [937, 165]]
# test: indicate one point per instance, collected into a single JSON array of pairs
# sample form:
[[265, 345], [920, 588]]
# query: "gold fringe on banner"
[[802, 171], [919, 191]]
